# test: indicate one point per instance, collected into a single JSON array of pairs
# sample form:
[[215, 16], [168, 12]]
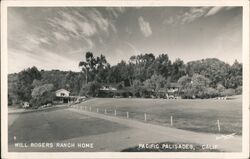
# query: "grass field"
[[195, 115], [57, 125]]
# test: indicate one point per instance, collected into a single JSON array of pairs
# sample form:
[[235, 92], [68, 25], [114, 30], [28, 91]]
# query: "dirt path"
[[149, 133]]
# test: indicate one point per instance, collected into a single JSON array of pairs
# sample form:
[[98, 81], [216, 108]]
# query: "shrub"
[[228, 92], [211, 93], [238, 90], [42, 95]]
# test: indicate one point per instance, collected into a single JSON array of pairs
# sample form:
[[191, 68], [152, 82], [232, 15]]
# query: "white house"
[[62, 93], [108, 88]]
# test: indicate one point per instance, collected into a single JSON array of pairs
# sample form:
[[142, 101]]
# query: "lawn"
[[199, 115]]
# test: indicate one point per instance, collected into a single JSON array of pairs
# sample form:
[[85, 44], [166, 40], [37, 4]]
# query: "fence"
[[139, 116]]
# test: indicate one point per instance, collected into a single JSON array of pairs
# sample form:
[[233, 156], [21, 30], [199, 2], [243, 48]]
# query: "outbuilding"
[[62, 96]]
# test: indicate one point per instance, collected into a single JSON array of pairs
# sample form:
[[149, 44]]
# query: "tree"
[[155, 83], [95, 69], [211, 68], [178, 70], [162, 66], [102, 68], [185, 81], [186, 87], [197, 86], [88, 65], [24, 83], [43, 94], [141, 66], [91, 89], [137, 87], [234, 78]]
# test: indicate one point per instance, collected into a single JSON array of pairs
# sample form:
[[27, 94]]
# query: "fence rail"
[[140, 116]]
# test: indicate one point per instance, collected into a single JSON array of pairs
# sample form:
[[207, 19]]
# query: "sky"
[[58, 37]]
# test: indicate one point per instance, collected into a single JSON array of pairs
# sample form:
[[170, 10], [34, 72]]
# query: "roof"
[[62, 90]]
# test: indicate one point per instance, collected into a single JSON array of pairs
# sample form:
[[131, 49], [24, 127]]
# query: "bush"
[[42, 95], [228, 92], [211, 93], [238, 90], [137, 94], [188, 94]]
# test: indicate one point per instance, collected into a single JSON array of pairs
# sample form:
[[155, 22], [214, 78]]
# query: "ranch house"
[[62, 96], [108, 88], [173, 89]]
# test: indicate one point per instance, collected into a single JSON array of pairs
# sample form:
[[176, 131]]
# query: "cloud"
[[134, 49], [45, 60], [60, 36], [214, 10], [116, 11], [190, 15], [87, 29], [193, 14], [44, 40], [145, 27], [78, 23], [31, 42]]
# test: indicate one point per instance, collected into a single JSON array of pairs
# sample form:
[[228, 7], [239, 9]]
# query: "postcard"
[[125, 79]]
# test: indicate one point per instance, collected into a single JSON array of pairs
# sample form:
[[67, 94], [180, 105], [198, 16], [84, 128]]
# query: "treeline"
[[32, 85], [141, 75], [146, 74]]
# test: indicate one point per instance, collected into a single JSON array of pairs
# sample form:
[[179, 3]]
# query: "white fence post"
[[97, 110], [105, 111], [127, 115], [171, 120], [218, 123], [145, 117], [115, 112]]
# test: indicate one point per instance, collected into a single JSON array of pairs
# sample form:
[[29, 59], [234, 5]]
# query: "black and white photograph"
[[134, 79]]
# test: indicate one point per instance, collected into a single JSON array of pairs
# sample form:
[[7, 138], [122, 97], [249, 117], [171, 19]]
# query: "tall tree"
[[155, 83], [24, 83], [162, 66], [178, 70]]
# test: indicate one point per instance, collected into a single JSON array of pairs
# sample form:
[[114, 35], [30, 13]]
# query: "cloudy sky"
[[57, 38]]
